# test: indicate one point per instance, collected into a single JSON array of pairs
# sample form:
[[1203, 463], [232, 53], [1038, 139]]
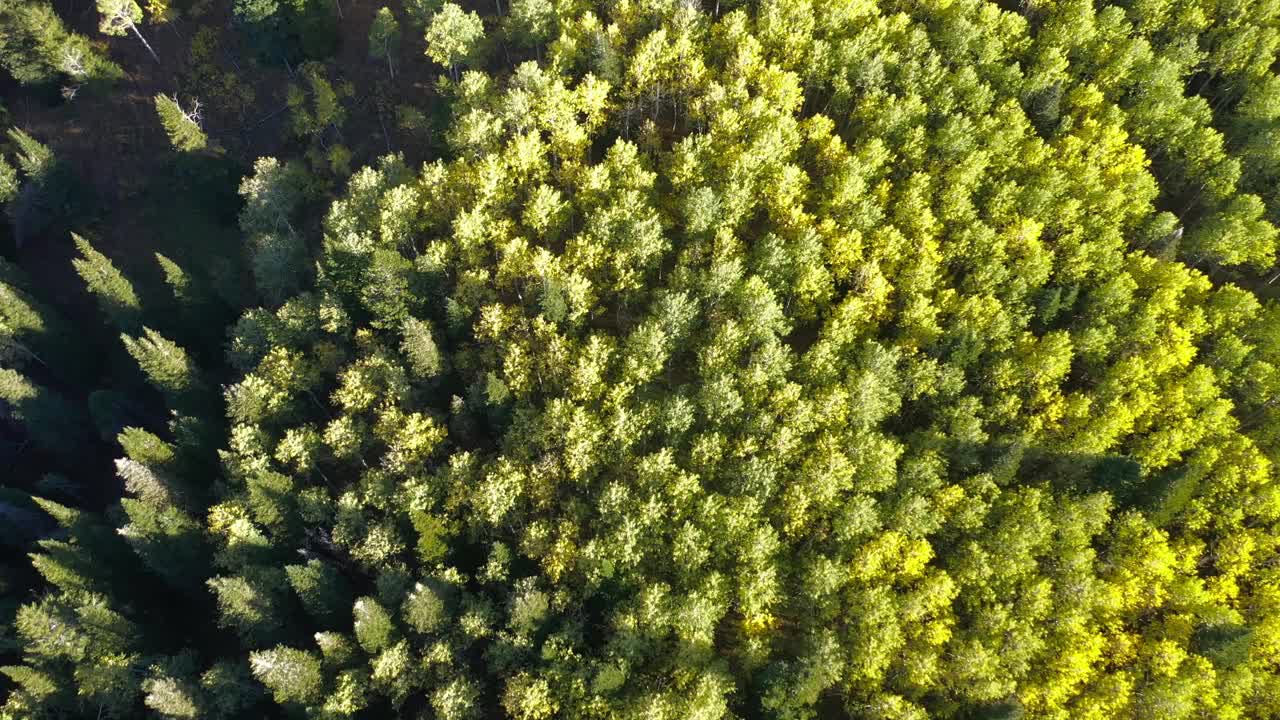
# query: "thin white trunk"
[[145, 44]]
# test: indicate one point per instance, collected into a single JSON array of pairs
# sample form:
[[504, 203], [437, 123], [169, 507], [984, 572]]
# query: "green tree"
[[118, 16], [292, 676], [166, 365], [182, 126], [112, 290], [52, 423], [384, 39], [453, 37]]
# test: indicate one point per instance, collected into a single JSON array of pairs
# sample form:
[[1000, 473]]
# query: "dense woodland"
[[640, 359]]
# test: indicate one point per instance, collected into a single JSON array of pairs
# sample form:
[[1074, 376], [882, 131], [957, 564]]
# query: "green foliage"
[[384, 39], [52, 423], [453, 37], [531, 22], [419, 348], [182, 126], [32, 333], [50, 197], [322, 590], [112, 290], [35, 160], [8, 180], [291, 675], [776, 359], [116, 17], [325, 112], [166, 365], [271, 195], [288, 29], [36, 47]]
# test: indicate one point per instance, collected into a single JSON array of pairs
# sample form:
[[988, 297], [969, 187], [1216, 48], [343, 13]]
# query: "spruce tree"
[[112, 290], [420, 348], [53, 424], [8, 180], [35, 158], [181, 125], [292, 676], [166, 365]]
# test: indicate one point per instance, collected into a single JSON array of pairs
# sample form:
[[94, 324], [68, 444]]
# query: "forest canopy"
[[654, 360]]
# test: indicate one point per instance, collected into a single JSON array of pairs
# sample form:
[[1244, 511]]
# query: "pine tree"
[[182, 126], [112, 289], [322, 590]]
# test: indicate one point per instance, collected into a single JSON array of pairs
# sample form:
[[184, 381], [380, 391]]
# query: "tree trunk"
[[145, 44]]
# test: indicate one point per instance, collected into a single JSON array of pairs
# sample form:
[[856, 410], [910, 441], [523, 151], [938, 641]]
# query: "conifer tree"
[[8, 180], [112, 290], [166, 365], [23, 325], [292, 676], [420, 348], [38, 48], [182, 126], [35, 159], [52, 423]]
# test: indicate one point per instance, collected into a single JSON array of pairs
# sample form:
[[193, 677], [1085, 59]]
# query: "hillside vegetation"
[[664, 360]]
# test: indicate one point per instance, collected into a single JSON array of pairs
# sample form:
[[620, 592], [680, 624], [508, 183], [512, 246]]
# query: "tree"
[[292, 676], [38, 48], [36, 160], [453, 37], [271, 194], [166, 365], [531, 22], [420, 348], [770, 359], [52, 423], [118, 16], [182, 126], [384, 38], [114, 292], [50, 197], [8, 180]]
